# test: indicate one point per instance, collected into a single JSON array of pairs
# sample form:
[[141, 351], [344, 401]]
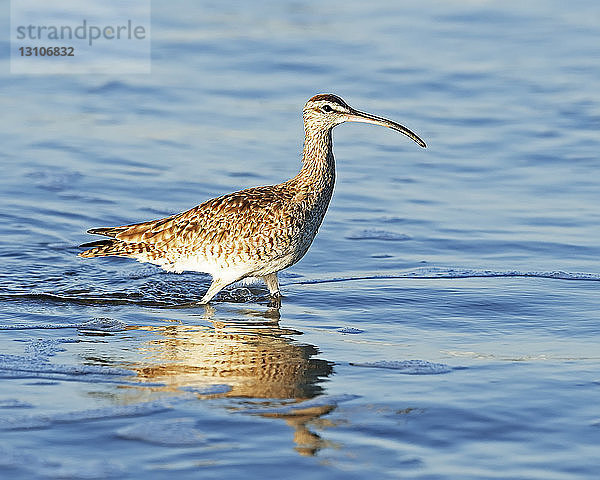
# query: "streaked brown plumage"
[[252, 233]]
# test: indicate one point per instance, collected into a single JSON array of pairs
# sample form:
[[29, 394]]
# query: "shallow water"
[[444, 324]]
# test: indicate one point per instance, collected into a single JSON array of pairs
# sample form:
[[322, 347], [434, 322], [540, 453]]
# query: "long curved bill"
[[357, 116]]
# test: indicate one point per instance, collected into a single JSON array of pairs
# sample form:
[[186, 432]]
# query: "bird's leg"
[[215, 287], [273, 286]]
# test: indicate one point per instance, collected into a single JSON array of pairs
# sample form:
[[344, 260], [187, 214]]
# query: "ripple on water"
[[300, 408], [372, 234], [102, 324], [178, 432], [36, 462], [14, 403], [408, 367], [35, 363], [453, 273], [25, 422]]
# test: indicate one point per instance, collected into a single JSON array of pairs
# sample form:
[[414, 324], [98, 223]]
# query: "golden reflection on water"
[[254, 356]]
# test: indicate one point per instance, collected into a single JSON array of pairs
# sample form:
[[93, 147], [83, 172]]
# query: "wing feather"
[[234, 216]]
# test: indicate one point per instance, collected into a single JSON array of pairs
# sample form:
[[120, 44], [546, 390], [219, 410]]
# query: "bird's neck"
[[318, 165]]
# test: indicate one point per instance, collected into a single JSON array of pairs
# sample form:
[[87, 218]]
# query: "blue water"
[[443, 325]]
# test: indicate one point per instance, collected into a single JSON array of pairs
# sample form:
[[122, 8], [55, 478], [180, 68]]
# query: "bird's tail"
[[105, 248]]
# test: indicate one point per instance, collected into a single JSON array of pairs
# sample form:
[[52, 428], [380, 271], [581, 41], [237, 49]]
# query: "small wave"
[[14, 365], [14, 403], [36, 326], [186, 294], [54, 378], [34, 462], [173, 294], [98, 299], [371, 234], [177, 432], [408, 367], [34, 363], [24, 422], [453, 273], [102, 324]]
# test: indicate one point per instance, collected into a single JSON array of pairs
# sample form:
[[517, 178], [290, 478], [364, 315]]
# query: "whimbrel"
[[252, 233]]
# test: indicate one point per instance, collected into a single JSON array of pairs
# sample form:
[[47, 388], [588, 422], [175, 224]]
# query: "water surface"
[[444, 324]]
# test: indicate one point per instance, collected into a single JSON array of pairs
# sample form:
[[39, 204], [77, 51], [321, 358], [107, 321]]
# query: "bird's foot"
[[275, 300]]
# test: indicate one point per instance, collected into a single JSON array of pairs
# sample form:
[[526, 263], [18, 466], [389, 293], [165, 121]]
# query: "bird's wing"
[[236, 215]]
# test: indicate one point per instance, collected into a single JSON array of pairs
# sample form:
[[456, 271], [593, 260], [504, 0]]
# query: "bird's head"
[[325, 111]]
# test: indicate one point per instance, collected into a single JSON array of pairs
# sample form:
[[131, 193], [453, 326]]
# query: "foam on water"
[[48, 347], [103, 324], [349, 330]]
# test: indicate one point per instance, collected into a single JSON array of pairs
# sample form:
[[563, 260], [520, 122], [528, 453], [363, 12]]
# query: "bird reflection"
[[253, 355]]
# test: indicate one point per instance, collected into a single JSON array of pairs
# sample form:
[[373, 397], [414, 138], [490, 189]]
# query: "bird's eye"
[[326, 108]]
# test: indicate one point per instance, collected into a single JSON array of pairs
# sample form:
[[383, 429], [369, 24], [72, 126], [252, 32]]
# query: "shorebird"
[[254, 232]]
